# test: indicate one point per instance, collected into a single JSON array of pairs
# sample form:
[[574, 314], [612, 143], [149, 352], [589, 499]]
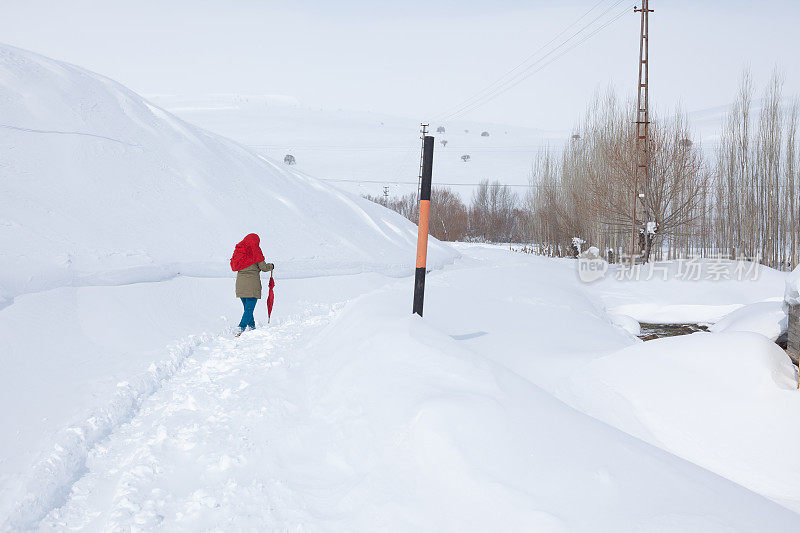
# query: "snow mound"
[[385, 422], [767, 318], [687, 290], [102, 188], [724, 401], [409, 428], [629, 324]]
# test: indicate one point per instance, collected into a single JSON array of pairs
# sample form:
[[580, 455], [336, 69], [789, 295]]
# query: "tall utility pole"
[[425, 177], [641, 174]]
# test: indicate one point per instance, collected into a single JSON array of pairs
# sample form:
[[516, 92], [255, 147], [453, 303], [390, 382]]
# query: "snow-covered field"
[[517, 403], [358, 415]]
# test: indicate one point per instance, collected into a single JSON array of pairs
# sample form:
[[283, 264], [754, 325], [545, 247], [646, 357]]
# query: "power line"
[[499, 81], [345, 180], [527, 75], [392, 147], [473, 103], [531, 148], [497, 184]]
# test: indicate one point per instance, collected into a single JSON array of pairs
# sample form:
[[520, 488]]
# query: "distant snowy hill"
[[207, 102], [366, 151], [101, 187]]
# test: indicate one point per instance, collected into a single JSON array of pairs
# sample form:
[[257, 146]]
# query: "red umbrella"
[[270, 297]]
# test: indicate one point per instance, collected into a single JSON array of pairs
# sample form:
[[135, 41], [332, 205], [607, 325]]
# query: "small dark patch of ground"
[[658, 331], [783, 340], [650, 332]]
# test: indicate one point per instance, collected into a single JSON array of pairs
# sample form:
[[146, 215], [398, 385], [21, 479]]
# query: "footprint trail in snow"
[[198, 452]]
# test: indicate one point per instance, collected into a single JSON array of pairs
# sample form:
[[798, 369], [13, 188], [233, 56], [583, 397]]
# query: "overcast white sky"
[[412, 58]]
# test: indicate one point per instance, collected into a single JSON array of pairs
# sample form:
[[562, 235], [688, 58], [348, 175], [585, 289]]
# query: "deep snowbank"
[[725, 401], [106, 349], [382, 420], [687, 291], [100, 187], [768, 318], [532, 315], [113, 216], [457, 442], [385, 421]]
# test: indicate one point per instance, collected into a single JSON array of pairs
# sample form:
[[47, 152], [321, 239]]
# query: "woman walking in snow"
[[248, 263]]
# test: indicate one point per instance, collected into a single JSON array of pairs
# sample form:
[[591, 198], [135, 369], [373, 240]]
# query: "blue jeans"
[[247, 317]]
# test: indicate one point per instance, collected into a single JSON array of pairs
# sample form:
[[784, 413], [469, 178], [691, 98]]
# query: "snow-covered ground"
[[521, 401], [361, 416], [687, 290], [769, 318], [723, 401], [117, 220]]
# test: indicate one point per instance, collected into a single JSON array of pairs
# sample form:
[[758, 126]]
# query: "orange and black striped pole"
[[424, 218]]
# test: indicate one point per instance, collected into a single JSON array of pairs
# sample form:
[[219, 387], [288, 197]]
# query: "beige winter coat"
[[248, 280]]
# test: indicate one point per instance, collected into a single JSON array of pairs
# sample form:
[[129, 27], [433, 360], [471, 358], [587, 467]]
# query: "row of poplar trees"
[[737, 199]]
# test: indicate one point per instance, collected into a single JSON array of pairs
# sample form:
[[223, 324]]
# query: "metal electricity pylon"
[[641, 172]]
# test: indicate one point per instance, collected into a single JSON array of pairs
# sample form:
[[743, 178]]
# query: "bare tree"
[[492, 211], [589, 193], [756, 179], [449, 217]]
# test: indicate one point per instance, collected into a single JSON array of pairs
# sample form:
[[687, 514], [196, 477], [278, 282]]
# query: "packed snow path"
[[192, 447]]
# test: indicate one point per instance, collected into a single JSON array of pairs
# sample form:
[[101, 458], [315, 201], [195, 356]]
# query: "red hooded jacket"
[[248, 252]]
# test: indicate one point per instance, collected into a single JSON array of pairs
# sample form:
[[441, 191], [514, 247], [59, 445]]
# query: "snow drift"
[[767, 318], [385, 421], [101, 187], [725, 401], [686, 290], [102, 192]]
